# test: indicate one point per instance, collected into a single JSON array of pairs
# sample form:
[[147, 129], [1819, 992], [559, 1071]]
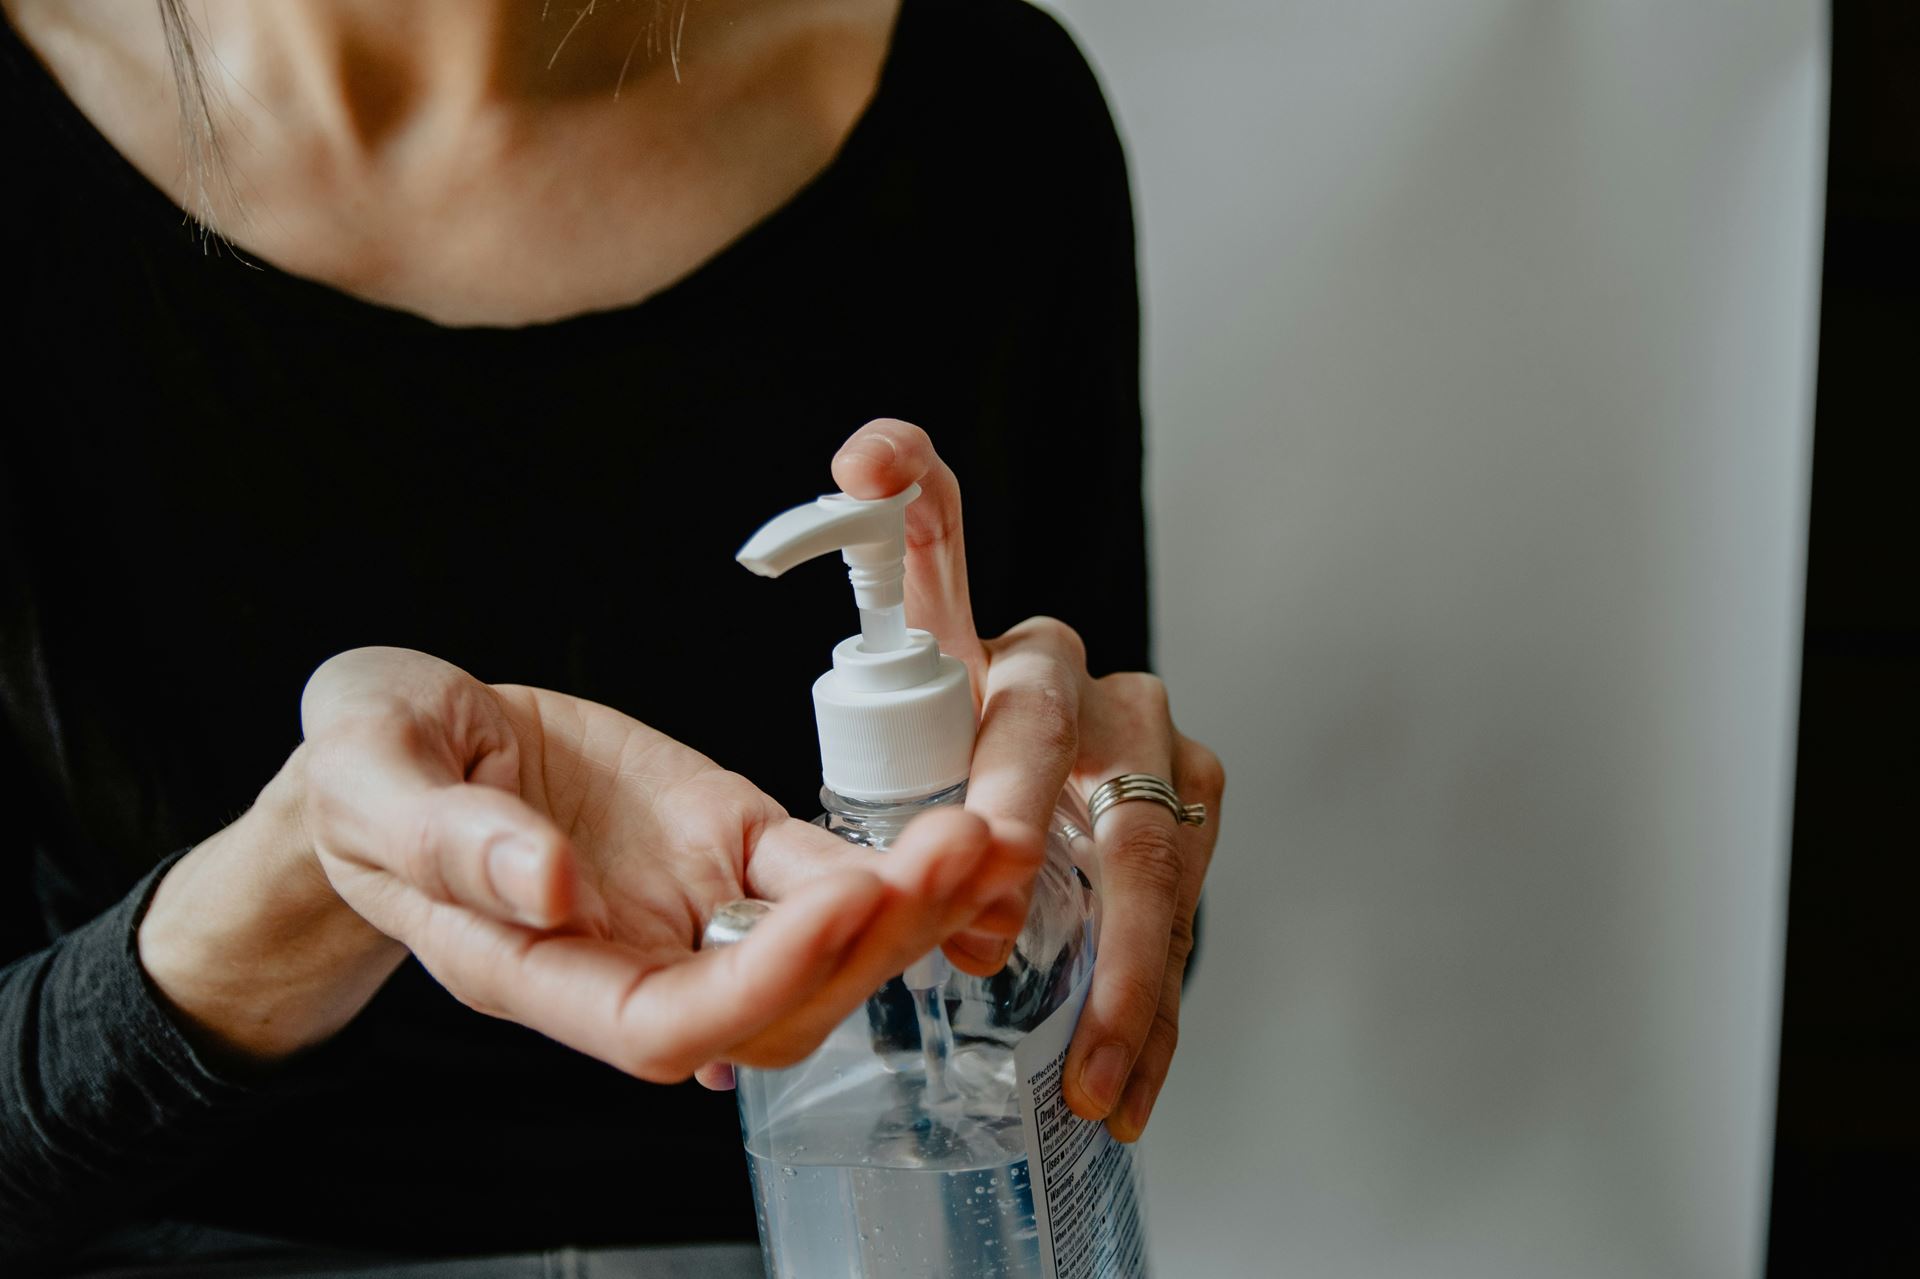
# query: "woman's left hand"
[[1046, 724]]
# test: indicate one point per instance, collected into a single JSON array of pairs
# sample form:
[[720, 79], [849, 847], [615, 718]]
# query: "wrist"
[[248, 942]]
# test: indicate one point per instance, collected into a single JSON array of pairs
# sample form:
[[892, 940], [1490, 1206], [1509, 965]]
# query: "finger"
[[1004, 891], [1198, 777], [787, 853], [939, 874], [1025, 751], [1142, 860], [997, 879], [740, 991], [984, 946], [1128, 1119], [1011, 852], [943, 852], [407, 753], [943, 871], [379, 795], [1029, 734], [377, 682], [1140, 872], [657, 1020], [716, 1076], [884, 457]]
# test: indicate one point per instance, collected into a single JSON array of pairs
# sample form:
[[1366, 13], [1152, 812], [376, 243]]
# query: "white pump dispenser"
[[895, 714], [927, 1134]]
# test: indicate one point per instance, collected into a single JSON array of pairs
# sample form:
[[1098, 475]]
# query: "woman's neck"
[[366, 74], [480, 161]]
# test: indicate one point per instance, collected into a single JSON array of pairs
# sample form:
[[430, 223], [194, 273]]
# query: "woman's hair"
[[200, 141]]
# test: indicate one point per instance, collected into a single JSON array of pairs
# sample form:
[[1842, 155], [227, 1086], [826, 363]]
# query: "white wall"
[[1481, 352]]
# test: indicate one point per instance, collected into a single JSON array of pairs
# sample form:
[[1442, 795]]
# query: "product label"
[[1085, 1193]]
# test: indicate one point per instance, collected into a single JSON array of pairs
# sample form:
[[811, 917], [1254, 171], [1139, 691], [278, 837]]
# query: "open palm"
[[554, 861]]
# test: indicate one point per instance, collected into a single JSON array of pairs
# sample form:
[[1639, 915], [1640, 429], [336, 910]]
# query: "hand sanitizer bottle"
[[927, 1136]]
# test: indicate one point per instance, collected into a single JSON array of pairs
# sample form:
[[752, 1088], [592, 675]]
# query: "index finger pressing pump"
[[927, 1136]]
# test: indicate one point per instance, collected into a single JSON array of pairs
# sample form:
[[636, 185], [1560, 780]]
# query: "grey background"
[[1480, 382]]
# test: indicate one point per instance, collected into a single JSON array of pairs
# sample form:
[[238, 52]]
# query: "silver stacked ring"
[[1118, 790]]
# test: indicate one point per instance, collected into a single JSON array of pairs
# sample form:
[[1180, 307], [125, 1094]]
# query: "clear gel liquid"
[[879, 1179]]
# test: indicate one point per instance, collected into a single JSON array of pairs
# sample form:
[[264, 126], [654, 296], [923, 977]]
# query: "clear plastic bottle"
[[927, 1136], [903, 1145]]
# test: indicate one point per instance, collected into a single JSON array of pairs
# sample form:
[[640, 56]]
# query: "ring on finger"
[[1158, 790]]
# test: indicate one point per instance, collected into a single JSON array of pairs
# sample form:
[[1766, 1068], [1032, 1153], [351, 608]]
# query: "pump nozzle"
[[896, 715], [871, 537]]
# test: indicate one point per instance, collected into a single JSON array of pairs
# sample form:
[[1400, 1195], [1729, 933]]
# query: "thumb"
[[372, 802], [491, 852], [884, 457], [392, 740]]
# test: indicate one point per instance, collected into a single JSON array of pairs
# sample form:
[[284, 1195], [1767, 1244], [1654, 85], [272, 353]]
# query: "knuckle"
[[936, 521], [1141, 689], [332, 755], [323, 761], [648, 1066], [1139, 1002], [941, 527], [1061, 638], [1150, 853], [320, 685], [339, 749], [905, 435], [419, 852], [1048, 636], [1203, 770]]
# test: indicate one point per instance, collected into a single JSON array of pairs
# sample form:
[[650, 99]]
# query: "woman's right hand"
[[553, 861]]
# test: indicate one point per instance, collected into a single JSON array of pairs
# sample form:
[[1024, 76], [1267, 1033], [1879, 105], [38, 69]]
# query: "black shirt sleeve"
[[100, 1093], [1101, 386], [1076, 478]]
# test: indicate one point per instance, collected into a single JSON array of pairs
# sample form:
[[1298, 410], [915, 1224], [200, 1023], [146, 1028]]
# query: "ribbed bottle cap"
[[894, 725]]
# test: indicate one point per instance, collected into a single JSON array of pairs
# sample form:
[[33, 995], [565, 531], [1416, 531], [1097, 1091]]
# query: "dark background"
[[1846, 1174]]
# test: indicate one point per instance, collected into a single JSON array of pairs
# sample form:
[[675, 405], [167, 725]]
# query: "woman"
[[493, 331]]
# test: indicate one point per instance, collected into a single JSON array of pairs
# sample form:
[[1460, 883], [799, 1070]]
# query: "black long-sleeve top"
[[215, 474]]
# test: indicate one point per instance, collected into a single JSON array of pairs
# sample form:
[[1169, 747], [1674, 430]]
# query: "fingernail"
[[983, 951], [519, 875], [1101, 1077]]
